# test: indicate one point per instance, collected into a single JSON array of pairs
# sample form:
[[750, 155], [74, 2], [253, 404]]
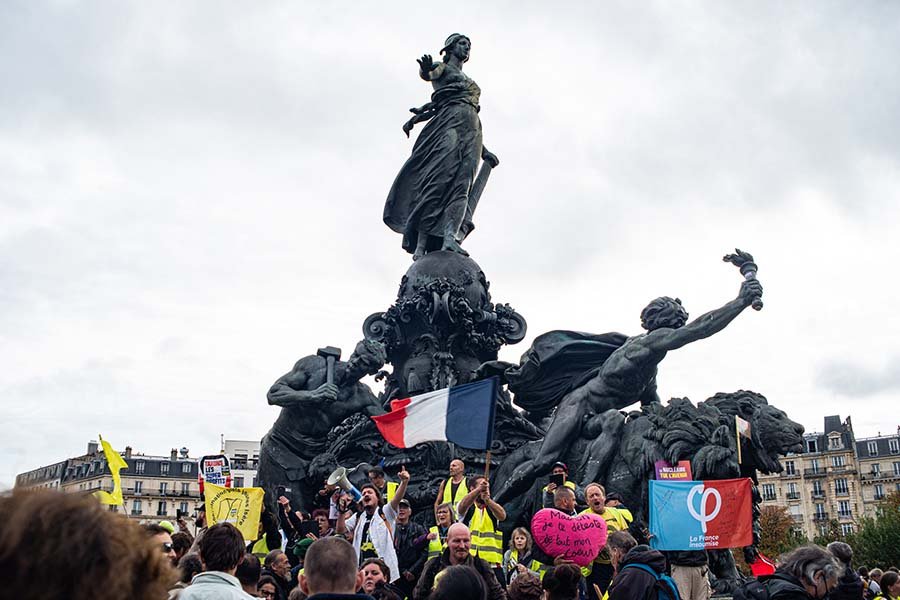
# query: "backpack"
[[753, 589], [665, 585]]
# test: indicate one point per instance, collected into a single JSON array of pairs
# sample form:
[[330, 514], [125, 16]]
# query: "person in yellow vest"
[[600, 572], [482, 514], [453, 489], [518, 560], [386, 487], [559, 469], [437, 535]]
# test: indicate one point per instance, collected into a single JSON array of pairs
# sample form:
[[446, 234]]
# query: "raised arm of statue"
[[665, 339], [290, 390], [428, 69]]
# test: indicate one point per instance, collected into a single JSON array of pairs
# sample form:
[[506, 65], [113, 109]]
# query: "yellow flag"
[[239, 506], [116, 463]]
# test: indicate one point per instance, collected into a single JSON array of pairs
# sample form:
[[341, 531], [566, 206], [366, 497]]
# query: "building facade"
[[243, 456], [879, 469], [154, 488], [820, 485]]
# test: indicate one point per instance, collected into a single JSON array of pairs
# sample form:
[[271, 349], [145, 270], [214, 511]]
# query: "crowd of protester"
[[55, 545]]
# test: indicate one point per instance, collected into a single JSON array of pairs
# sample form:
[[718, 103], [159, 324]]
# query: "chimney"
[[174, 454], [127, 452], [93, 447]]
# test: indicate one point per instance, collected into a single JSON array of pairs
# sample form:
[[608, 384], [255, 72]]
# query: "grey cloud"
[[859, 381]]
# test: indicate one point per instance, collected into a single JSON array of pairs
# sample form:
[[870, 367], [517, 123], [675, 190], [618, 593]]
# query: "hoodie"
[[637, 584]]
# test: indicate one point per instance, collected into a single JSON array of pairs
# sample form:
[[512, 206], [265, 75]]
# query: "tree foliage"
[[876, 542], [778, 531]]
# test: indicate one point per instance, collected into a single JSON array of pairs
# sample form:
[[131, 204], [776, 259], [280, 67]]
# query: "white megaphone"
[[338, 477]]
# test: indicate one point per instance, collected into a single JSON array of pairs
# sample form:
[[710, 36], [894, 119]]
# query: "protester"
[[56, 545], [375, 582], [331, 571], [445, 516], [221, 550], [809, 572], [181, 544], [267, 588], [875, 583], [459, 543], [189, 565], [385, 487], [637, 567], [268, 535], [525, 587], [248, 573], [199, 527], [561, 582], [410, 540], [371, 528], [459, 582], [850, 585], [518, 560], [160, 536], [482, 515], [320, 516], [564, 502], [278, 567], [690, 570], [453, 489], [614, 500], [600, 571], [559, 468], [890, 586]]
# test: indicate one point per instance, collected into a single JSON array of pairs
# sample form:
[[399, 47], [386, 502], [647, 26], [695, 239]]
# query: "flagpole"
[[487, 465], [737, 438]]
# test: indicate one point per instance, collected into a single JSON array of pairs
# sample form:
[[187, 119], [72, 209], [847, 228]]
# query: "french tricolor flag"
[[462, 414]]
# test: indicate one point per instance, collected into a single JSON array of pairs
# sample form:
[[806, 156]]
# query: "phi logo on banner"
[[702, 515]]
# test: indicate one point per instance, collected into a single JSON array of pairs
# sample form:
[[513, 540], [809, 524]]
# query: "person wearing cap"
[[372, 529], [385, 486], [600, 572], [614, 500], [410, 540], [559, 468]]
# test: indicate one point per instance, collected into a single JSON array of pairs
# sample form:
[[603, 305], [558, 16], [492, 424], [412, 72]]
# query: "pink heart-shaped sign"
[[578, 539]]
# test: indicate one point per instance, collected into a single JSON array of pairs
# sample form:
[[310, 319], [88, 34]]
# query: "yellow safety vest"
[[535, 565], [260, 548], [392, 489], [487, 542], [436, 546], [615, 521], [461, 492], [567, 483]]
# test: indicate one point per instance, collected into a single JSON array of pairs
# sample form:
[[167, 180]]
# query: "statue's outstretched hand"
[[426, 65], [326, 391], [751, 289]]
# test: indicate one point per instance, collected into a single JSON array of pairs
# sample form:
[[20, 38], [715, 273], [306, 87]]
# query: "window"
[[183, 507], [873, 448], [834, 443], [163, 488], [879, 491], [896, 466], [185, 467], [164, 468], [812, 446], [814, 465], [844, 508], [837, 461], [846, 528], [138, 487], [139, 466], [894, 446], [817, 487], [792, 494], [113, 508], [820, 512], [161, 509], [238, 482], [876, 469], [789, 467], [136, 507], [185, 489], [768, 491], [840, 486]]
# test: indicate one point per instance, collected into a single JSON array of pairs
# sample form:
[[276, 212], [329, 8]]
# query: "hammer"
[[330, 354]]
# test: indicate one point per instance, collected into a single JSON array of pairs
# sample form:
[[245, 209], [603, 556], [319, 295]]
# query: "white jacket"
[[381, 532], [214, 585]]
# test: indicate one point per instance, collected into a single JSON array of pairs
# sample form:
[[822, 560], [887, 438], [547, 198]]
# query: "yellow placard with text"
[[239, 506]]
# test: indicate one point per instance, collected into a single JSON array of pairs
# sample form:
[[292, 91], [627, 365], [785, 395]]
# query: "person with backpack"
[[640, 571]]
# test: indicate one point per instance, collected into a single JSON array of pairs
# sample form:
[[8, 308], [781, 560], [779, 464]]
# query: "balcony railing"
[[790, 474], [818, 494], [880, 475], [814, 472], [769, 497], [879, 496], [842, 492], [793, 495], [820, 516], [846, 515]]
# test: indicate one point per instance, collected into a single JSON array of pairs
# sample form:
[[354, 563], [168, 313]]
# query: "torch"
[[744, 261]]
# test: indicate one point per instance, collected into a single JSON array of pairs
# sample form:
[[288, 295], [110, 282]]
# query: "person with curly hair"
[[56, 545]]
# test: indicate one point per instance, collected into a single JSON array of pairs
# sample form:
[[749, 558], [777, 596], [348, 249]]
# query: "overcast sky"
[[191, 197]]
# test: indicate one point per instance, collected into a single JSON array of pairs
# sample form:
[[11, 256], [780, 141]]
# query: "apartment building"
[[243, 456], [879, 468]]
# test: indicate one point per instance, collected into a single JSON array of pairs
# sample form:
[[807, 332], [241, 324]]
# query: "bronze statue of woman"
[[430, 202]]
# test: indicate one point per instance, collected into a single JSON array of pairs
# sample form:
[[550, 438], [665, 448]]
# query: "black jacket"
[[687, 558], [439, 563], [408, 541], [850, 586], [637, 584], [782, 586]]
